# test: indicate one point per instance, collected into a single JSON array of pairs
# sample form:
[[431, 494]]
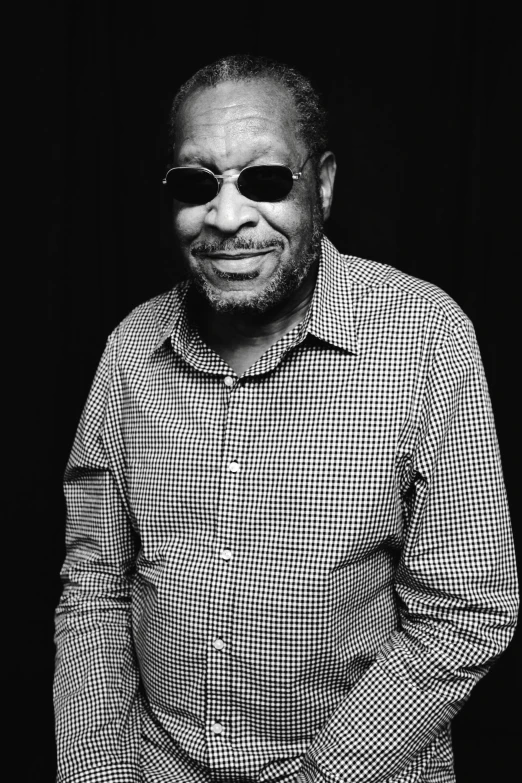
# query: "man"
[[289, 555]]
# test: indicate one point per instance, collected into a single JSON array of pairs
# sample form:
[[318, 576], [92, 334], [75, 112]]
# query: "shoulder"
[[149, 324], [381, 291], [390, 286], [392, 308]]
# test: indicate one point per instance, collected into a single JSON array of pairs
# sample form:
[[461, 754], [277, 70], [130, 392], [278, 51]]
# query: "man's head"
[[250, 256]]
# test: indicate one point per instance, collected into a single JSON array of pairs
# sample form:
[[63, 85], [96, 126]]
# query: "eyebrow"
[[194, 158], [190, 158]]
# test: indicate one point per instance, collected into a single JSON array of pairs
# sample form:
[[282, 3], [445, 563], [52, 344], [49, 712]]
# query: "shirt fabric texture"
[[296, 575]]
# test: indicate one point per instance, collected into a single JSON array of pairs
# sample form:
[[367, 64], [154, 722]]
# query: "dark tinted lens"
[[191, 186], [265, 183]]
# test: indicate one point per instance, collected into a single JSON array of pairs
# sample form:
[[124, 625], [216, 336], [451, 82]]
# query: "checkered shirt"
[[294, 575]]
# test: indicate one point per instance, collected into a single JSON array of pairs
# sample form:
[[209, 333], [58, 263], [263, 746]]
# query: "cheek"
[[292, 218], [187, 222]]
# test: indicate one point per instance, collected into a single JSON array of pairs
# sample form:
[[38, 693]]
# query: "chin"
[[270, 294], [237, 302]]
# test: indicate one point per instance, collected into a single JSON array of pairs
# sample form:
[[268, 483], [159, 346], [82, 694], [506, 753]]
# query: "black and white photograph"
[[266, 461]]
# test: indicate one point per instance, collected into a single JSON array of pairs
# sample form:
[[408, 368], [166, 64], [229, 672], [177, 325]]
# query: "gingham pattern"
[[309, 566]]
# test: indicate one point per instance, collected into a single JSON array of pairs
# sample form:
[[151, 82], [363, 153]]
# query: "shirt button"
[[229, 381], [233, 467], [226, 554], [219, 644], [216, 728]]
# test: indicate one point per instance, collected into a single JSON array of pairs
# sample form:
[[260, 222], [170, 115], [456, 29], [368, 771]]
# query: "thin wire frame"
[[221, 178]]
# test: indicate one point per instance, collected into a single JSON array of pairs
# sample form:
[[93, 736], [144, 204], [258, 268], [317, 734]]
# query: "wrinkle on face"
[[229, 121], [195, 153], [225, 129]]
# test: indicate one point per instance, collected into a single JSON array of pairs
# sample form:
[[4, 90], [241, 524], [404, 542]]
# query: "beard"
[[286, 279]]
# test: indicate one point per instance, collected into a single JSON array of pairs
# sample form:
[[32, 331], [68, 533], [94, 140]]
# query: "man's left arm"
[[455, 584]]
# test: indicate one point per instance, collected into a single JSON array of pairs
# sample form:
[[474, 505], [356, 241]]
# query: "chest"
[[307, 453]]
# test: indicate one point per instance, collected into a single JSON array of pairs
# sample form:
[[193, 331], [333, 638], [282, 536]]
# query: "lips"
[[239, 262], [239, 254]]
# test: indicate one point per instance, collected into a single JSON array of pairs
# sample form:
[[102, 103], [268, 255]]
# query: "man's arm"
[[96, 680], [455, 585]]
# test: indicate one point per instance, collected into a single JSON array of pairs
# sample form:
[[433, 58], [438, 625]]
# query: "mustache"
[[235, 243]]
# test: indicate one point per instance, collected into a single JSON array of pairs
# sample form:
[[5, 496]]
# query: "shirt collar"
[[171, 316], [330, 317]]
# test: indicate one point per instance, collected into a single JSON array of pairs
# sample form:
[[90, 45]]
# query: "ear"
[[327, 169]]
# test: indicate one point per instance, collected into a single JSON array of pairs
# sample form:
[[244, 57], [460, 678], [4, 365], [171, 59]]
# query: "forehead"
[[237, 122]]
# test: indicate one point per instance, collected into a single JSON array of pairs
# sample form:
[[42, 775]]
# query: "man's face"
[[246, 256]]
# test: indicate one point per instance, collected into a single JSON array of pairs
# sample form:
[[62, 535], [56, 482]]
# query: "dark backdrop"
[[422, 103]]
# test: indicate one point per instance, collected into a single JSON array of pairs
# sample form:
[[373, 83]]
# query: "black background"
[[423, 108]]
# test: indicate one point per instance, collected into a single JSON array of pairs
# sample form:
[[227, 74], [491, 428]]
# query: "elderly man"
[[288, 547]]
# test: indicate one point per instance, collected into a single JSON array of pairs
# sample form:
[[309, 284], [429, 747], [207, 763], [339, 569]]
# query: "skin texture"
[[254, 263]]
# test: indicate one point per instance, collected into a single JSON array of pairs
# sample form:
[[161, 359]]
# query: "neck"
[[241, 338]]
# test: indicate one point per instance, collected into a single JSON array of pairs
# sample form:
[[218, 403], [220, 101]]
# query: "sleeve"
[[96, 676], [456, 586]]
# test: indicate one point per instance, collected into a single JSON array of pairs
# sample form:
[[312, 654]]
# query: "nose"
[[229, 210]]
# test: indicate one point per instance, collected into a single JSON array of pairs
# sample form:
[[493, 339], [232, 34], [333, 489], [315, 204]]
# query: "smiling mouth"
[[243, 265], [239, 253], [228, 255]]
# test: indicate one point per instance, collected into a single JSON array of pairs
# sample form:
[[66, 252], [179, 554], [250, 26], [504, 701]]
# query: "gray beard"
[[283, 284]]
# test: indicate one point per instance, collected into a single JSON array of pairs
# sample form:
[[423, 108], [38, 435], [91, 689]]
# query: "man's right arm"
[[96, 679]]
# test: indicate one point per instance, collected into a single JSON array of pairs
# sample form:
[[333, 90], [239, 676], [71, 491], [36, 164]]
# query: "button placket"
[[220, 660]]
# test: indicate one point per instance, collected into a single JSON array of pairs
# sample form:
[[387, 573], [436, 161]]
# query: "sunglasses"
[[258, 183]]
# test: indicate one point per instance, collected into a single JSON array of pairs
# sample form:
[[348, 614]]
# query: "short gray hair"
[[312, 122]]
